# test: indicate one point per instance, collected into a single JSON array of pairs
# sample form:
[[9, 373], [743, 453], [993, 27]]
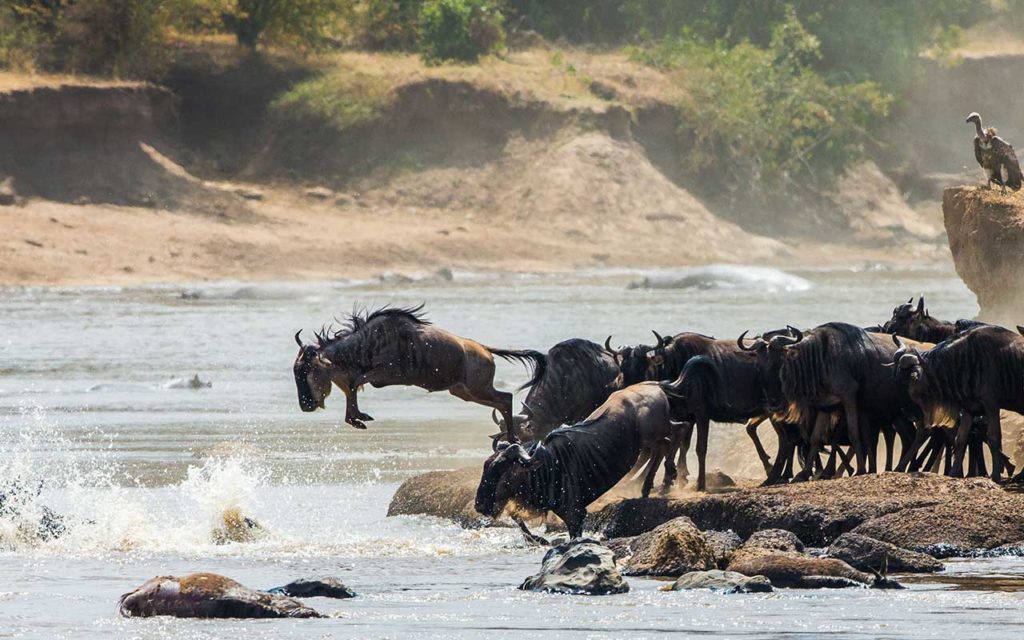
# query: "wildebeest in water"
[[395, 346]]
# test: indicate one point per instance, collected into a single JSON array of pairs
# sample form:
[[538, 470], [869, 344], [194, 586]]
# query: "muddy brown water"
[[144, 469]]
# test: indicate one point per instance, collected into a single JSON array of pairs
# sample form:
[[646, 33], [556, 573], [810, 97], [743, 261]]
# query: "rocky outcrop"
[[580, 567], [443, 494], [864, 553], [207, 595], [986, 236], [912, 511], [722, 582], [671, 549]]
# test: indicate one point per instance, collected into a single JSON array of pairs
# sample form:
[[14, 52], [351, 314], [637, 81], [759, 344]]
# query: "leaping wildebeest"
[[395, 346], [573, 466]]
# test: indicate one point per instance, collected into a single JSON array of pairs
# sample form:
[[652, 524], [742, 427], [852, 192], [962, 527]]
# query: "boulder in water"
[[315, 588], [722, 545], [864, 553], [580, 567], [672, 549], [721, 581], [207, 595]]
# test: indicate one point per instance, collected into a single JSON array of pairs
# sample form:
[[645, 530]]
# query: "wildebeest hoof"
[[358, 424], [364, 416]]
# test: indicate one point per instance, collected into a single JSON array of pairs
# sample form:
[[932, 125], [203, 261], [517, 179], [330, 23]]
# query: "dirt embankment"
[[518, 164], [986, 236]]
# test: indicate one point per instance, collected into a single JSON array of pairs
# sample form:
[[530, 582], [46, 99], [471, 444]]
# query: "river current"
[[95, 411]]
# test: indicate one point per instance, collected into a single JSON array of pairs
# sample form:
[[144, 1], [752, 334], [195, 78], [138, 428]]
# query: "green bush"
[[764, 120], [460, 30]]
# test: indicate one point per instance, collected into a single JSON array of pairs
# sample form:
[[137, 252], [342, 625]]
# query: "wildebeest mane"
[[359, 318]]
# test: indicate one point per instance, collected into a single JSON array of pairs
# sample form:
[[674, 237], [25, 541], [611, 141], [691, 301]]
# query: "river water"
[[92, 409]]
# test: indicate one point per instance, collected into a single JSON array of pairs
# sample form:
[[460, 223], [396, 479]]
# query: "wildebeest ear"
[[920, 307], [1020, 329], [617, 383], [321, 361]]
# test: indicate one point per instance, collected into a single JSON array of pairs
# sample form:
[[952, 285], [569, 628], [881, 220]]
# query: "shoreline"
[[51, 244]]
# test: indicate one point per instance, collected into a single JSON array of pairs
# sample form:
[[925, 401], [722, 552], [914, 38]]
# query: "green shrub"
[[460, 30], [763, 120], [339, 100]]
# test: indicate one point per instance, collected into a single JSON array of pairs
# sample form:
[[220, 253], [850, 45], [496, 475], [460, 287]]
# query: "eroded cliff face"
[[986, 236], [99, 144]]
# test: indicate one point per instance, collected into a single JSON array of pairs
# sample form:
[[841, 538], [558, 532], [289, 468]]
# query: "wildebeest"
[[836, 366], [916, 323], [395, 346], [973, 374], [576, 377], [573, 466]]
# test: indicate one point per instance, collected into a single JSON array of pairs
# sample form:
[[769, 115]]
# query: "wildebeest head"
[[655, 356], [770, 349], [312, 376], [907, 363], [904, 316], [632, 361], [499, 481], [521, 421]]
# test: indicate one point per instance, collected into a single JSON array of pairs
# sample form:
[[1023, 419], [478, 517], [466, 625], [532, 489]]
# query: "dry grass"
[[20, 81]]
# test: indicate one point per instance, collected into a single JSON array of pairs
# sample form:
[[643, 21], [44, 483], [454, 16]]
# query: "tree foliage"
[[460, 30], [764, 120]]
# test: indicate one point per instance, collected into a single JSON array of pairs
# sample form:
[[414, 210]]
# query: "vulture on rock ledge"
[[996, 156]]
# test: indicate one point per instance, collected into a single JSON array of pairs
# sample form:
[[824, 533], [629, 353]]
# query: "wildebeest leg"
[[783, 456], [685, 438], [872, 445], [975, 455], [703, 424], [829, 471], [671, 472], [907, 431], [353, 415], [995, 441], [488, 396], [808, 431], [766, 461], [845, 463], [574, 521], [853, 429], [963, 434], [889, 436], [935, 458], [656, 456], [531, 538]]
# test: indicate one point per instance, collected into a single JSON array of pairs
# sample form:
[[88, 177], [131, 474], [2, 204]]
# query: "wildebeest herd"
[[594, 414]]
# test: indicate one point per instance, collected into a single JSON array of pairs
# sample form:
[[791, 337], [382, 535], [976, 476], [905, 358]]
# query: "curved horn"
[[899, 352], [521, 456], [739, 342], [660, 340], [920, 306], [298, 340], [494, 417], [798, 334], [608, 345]]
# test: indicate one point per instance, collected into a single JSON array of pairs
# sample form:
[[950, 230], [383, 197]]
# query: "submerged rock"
[[207, 595], [672, 549], [315, 588], [864, 553], [580, 567], [721, 581]]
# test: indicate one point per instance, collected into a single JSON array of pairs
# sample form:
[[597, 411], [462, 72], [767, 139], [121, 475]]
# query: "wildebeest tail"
[[536, 361]]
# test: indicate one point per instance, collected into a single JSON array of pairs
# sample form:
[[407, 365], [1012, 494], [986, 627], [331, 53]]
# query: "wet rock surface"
[[913, 511], [722, 545], [721, 581], [315, 588], [443, 494], [580, 567], [671, 549], [207, 595], [864, 553]]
